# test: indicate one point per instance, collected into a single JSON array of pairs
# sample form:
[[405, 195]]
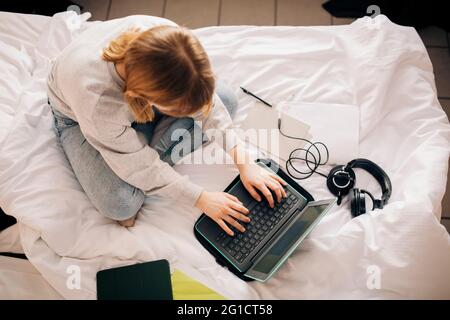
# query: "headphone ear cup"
[[362, 203], [353, 204], [357, 202], [333, 189], [340, 180]]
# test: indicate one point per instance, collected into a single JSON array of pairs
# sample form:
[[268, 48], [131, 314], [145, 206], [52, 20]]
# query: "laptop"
[[272, 234]]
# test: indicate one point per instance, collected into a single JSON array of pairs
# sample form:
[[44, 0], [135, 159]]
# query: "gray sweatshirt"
[[88, 90]]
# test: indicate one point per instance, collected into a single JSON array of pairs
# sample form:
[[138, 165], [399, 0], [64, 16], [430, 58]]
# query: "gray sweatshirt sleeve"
[[219, 123], [137, 163]]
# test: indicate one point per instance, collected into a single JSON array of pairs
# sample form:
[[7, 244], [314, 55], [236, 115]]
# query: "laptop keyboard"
[[263, 220]]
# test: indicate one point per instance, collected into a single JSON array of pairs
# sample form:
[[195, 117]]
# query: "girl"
[[108, 85]]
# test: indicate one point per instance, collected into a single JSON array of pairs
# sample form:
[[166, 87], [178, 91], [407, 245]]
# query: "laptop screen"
[[290, 238]]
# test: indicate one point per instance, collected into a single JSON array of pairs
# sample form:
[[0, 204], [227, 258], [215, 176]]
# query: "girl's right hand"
[[223, 207]]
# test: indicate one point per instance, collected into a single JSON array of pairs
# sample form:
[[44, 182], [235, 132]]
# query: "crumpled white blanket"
[[401, 251]]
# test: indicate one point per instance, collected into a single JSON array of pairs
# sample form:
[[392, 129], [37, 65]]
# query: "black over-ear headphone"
[[341, 181]]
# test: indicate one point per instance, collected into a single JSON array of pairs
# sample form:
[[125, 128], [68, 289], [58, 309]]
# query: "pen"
[[249, 93]]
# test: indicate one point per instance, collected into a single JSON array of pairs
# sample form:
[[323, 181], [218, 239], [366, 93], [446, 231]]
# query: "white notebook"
[[336, 125], [260, 128]]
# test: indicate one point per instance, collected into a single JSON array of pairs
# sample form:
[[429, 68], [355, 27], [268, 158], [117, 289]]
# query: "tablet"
[[142, 281]]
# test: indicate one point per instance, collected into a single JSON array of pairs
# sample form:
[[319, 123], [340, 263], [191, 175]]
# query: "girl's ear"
[[140, 107]]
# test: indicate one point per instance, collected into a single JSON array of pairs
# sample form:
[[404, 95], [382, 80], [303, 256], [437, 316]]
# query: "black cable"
[[316, 161]]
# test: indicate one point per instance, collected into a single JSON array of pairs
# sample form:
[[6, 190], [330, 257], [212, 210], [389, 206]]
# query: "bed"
[[399, 252]]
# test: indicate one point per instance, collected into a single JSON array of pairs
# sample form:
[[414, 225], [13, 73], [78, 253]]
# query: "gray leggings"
[[113, 197]]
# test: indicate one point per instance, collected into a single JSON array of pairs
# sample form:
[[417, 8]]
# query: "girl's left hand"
[[256, 178]]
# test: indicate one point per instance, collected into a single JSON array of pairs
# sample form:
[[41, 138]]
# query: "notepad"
[[336, 125], [260, 128], [187, 288]]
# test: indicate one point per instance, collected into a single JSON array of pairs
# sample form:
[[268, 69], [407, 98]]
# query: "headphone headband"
[[379, 174]]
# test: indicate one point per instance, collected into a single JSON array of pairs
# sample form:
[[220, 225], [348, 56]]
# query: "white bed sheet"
[[10, 240], [20, 280], [380, 67]]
